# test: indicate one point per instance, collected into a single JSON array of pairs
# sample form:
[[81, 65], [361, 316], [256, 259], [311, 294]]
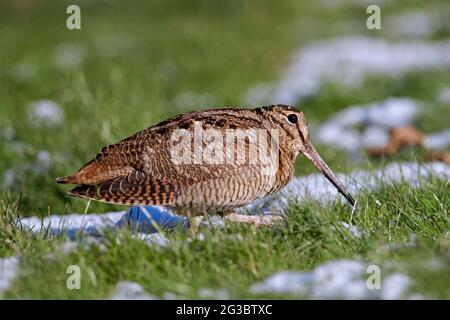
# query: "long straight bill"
[[311, 153]]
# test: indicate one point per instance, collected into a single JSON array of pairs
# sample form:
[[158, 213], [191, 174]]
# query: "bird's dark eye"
[[292, 118]]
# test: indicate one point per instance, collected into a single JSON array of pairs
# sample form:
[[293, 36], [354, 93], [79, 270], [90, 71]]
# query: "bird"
[[203, 163]]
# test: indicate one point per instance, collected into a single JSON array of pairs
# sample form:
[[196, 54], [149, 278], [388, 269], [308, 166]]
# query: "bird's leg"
[[254, 220], [194, 222]]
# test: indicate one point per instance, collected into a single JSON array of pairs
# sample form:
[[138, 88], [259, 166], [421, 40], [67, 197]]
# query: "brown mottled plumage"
[[140, 170]]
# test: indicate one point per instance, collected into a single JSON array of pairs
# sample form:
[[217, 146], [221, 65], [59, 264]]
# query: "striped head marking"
[[294, 138]]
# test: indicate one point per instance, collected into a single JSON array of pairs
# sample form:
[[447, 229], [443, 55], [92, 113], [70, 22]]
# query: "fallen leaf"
[[438, 156], [400, 138]]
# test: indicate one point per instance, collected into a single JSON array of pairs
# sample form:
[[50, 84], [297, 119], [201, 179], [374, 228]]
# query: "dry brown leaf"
[[438, 156], [400, 138]]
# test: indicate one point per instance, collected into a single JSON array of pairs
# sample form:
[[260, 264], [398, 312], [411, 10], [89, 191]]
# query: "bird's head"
[[294, 137]]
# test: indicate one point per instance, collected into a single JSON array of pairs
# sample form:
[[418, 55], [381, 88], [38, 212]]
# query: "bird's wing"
[[141, 169], [135, 188]]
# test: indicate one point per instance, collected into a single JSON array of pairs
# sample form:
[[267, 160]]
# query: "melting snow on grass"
[[91, 224], [415, 23], [341, 279], [439, 140], [45, 113], [215, 294], [43, 161], [340, 131], [349, 60], [8, 271], [126, 290], [376, 119]]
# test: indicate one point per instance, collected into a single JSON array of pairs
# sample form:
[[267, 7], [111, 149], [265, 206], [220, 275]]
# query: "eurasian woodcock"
[[205, 162]]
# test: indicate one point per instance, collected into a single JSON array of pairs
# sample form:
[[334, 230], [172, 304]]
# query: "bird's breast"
[[227, 192]]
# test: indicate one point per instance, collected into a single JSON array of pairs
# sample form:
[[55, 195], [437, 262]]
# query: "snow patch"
[[395, 286], [45, 113], [8, 270], [130, 291], [340, 279], [43, 161], [213, 294], [439, 140], [72, 223], [377, 117], [354, 230], [157, 239], [349, 60], [414, 23], [285, 282]]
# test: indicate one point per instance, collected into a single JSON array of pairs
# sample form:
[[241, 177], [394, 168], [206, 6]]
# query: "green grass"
[[136, 60], [234, 258]]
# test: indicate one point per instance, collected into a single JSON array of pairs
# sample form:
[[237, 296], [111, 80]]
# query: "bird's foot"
[[255, 220], [268, 220], [194, 224]]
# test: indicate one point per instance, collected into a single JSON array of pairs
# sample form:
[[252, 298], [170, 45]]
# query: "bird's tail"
[[130, 190]]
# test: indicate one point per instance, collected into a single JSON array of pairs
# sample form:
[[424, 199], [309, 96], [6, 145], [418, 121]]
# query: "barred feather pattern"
[[139, 169], [136, 188]]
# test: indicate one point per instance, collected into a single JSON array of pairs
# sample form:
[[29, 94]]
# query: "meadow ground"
[[134, 65]]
